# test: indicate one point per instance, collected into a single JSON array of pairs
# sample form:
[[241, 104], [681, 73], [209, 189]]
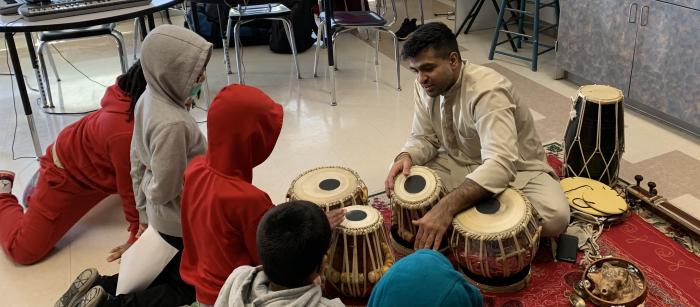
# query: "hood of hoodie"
[[243, 125], [173, 58], [249, 286], [424, 278], [115, 100]]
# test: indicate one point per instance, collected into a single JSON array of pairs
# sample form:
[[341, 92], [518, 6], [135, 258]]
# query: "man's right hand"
[[402, 164]]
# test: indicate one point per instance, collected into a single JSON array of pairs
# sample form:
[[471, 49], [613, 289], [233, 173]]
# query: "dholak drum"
[[495, 241], [330, 187], [412, 198], [595, 138], [359, 254]]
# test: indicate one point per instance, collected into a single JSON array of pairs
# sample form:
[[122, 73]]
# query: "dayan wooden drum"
[[412, 198], [595, 139], [330, 187], [495, 241], [359, 253]]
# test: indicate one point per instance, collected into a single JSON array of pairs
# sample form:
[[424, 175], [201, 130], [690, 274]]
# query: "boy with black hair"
[[292, 239]]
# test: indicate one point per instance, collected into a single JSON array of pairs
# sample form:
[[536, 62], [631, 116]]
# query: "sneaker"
[[6, 180], [78, 288], [407, 27], [93, 297]]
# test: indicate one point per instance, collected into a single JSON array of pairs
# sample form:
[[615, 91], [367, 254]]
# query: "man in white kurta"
[[471, 128]]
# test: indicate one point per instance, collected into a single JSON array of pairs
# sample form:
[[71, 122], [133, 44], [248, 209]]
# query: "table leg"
[[17, 67], [35, 66]]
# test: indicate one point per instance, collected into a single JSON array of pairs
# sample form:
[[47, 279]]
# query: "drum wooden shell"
[[330, 187], [496, 240], [411, 198], [594, 139], [359, 253]]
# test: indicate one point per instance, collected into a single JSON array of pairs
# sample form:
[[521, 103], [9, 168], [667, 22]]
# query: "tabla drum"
[[495, 241], [412, 198], [595, 140], [359, 253], [593, 201], [331, 187]]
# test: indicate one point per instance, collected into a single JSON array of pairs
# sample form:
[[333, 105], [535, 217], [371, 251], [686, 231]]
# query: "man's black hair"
[[134, 84], [433, 35], [292, 239]]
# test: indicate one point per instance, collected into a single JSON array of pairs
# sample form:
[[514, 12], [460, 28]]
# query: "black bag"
[[302, 19], [252, 33]]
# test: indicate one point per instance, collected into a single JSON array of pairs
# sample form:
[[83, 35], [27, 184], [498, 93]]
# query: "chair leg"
[[49, 54], [290, 36], [376, 49], [331, 70], [237, 44], [135, 38], [535, 36], [318, 46], [48, 100], [227, 59], [334, 38], [396, 59], [123, 60]]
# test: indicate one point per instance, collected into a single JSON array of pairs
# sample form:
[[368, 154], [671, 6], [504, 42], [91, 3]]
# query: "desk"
[[9, 25]]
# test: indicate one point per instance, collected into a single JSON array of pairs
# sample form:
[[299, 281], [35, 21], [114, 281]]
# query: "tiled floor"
[[363, 132]]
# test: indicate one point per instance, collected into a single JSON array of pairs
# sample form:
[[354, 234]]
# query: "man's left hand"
[[433, 225]]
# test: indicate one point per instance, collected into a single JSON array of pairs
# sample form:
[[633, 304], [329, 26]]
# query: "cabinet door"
[[666, 75], [596, 40]]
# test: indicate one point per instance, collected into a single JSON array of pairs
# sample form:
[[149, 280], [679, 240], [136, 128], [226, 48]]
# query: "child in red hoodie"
[[220, 206], [88, 161]]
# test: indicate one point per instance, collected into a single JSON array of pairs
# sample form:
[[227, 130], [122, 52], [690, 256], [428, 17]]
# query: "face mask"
[[196, 88]]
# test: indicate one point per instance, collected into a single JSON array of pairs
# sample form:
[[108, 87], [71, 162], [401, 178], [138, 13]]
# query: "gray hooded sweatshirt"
[[165, 136], [249, 286]]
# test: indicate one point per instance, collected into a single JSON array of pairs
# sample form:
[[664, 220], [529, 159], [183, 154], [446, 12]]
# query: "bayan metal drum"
[[495, 241], [330, 187], [595, 140]]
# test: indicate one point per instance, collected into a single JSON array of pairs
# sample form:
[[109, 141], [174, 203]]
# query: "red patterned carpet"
[[672, 272]]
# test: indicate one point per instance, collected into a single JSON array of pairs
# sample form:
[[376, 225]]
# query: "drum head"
[[325, 185], [420, 186], [494, 215], [600, 94], [592, 197], [360, 218]]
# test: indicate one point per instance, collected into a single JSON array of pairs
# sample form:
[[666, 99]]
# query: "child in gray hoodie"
[[165, 138], [292, 239]]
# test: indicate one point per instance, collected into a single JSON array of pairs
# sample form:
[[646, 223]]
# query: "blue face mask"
[[196, 88]]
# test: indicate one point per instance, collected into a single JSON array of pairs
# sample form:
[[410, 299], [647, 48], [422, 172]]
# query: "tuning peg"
[[638, 179], [652, 188]]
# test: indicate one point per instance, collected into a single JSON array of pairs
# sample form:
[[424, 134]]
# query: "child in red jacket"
[[220, 206], [88, 161]]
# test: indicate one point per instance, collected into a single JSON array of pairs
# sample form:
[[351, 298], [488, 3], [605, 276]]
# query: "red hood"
[[115, 100], [242, 128]]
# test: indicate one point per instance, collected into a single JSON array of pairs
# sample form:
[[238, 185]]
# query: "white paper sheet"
[[143, 261]]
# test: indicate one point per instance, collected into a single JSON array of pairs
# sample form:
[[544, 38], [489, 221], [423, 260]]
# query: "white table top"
[[16, 23]]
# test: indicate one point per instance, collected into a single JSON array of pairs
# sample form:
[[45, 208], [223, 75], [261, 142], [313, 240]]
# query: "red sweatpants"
[[58, 202]]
